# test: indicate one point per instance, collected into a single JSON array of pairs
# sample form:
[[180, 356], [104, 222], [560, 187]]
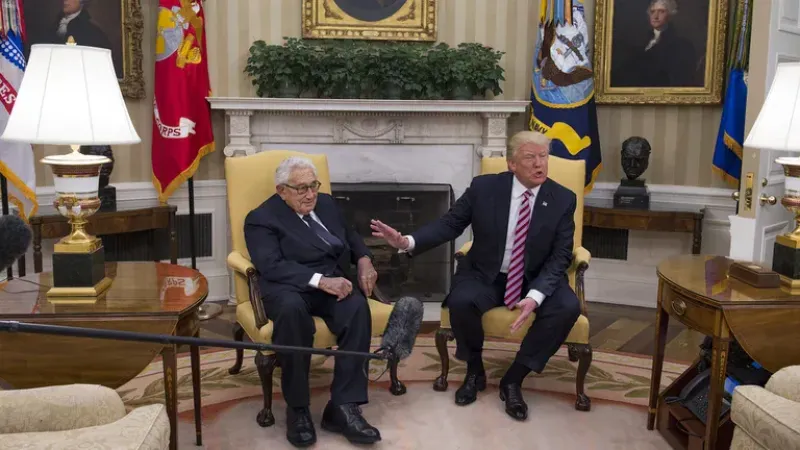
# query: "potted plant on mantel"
[[355, 69]]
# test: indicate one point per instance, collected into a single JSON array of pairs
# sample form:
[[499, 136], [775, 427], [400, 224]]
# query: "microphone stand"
[[11, 326]]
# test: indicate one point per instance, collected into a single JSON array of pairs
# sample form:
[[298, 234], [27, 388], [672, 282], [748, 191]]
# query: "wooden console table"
[[49, 224], [144, 297], [647, 220], [697, 291]]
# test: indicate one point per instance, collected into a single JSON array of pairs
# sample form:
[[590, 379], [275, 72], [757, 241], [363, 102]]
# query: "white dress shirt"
[[517, 189], [654, 41], [314, 282], [62, 25]]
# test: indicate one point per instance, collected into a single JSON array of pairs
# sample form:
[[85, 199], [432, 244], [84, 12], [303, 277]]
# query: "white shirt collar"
[[312, 214], [517, 189]]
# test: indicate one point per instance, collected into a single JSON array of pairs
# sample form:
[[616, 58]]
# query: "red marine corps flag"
[[182, 119]]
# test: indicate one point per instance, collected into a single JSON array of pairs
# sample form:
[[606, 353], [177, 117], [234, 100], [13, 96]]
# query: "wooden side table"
[[647, 220], [49, 224], [144, 297], [697, 291]]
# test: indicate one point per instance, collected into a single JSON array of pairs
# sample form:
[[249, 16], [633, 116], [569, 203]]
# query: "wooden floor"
[[618, 328]]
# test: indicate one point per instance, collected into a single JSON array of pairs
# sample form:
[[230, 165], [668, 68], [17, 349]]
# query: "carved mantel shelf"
[[252, 122]]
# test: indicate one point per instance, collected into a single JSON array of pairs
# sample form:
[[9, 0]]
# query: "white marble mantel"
[[254, 124]]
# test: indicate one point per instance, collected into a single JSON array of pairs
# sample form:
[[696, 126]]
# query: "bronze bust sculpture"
[[632, 192], [635, 156]]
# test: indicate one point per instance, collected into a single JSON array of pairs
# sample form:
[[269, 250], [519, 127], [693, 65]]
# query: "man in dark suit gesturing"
[[523, 226], [302, 248]]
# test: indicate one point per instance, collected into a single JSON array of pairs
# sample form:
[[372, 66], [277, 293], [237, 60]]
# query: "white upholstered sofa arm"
[[57, 408]]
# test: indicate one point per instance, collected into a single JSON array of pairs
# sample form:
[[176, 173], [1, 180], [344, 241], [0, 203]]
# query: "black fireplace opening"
[[405, 207]]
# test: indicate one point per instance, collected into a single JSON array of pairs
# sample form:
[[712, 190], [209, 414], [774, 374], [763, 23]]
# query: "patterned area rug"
[[612, 376]]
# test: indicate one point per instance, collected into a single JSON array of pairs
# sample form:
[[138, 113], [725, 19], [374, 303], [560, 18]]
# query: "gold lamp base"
[[786, 252], [79, 258], [79, 295]]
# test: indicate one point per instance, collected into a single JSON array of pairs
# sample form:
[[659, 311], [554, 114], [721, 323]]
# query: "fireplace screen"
[[405, 207]]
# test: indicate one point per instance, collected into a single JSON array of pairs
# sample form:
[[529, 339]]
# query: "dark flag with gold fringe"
[[562, 90], [727, 161]]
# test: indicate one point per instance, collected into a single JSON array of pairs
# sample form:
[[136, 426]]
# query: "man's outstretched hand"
[[340, 287], [389, 234]]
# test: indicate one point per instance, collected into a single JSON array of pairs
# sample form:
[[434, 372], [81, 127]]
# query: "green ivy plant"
[[362, 69]]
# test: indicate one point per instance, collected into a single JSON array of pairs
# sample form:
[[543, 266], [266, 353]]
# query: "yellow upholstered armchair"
[[497, 321], [250, 181]]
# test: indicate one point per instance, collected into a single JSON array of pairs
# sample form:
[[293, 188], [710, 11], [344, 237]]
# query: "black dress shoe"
[[299, 427], [468, 392], [347, 420], [515, 404]]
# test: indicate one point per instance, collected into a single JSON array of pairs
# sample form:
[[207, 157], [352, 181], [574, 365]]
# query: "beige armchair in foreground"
[[496, 321], [250, 181], [78, 416], [768, 418]]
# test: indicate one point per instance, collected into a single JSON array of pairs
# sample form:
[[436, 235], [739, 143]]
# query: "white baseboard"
[[631, 282]]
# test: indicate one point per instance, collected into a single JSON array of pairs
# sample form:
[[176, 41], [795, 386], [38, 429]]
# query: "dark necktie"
[[323, 234]]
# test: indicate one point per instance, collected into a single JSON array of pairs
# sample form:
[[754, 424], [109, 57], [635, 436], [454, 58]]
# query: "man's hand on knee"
[[340, 287]]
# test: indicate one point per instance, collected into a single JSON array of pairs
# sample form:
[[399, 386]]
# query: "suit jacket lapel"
[[539, 212], [329, 217], [294, 222], [502, 203]]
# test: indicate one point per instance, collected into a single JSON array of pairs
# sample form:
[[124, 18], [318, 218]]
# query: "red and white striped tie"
[[517, 264]]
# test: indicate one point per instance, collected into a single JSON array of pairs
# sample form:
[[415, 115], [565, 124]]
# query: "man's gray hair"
[[669, 5], [289, 165], [526, 137]]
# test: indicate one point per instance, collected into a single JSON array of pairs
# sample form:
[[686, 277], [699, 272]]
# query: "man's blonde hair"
[[526, 137]]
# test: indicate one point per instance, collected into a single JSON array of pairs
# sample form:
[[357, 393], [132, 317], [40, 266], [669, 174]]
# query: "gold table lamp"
[[70, 95]]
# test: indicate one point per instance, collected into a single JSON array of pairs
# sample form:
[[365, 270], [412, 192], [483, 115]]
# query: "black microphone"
[[15, 238], [402, 329]]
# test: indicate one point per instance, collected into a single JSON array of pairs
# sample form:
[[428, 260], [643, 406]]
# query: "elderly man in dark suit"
[[523, 226], [302, 247]]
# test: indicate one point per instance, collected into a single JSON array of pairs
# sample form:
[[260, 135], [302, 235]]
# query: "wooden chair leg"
[[396, 387], [584, 354], [238, 335], [572, 352], [266, 365], [443, 335]]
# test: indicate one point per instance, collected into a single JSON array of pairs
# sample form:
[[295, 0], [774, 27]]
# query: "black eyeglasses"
[[303, 189]]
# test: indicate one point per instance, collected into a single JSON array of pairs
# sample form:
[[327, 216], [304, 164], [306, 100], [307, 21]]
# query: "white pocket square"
[[544, 203]]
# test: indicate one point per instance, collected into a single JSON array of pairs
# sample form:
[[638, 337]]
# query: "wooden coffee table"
[[144, 297], [697, 291]]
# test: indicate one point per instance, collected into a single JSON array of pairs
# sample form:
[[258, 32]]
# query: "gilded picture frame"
[[689, 67], [117, 25], [395, 20]]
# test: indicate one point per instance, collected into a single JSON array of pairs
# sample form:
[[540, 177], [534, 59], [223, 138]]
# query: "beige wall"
[[682, 137]]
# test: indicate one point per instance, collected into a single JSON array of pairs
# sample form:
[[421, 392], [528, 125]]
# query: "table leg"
[[697, 236], [173, 239], [37, 248], [662, 320], [197, 393], [170, 362], [719, 363]]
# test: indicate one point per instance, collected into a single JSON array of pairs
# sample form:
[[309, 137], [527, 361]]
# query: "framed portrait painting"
[[660, 51], [395, 20], [113, 24]]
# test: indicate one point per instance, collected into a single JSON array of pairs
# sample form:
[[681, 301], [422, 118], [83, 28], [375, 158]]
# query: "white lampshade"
[[778, 124], [70, 95]]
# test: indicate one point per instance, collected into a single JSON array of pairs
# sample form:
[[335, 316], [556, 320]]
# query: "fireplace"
[[405, 207]]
